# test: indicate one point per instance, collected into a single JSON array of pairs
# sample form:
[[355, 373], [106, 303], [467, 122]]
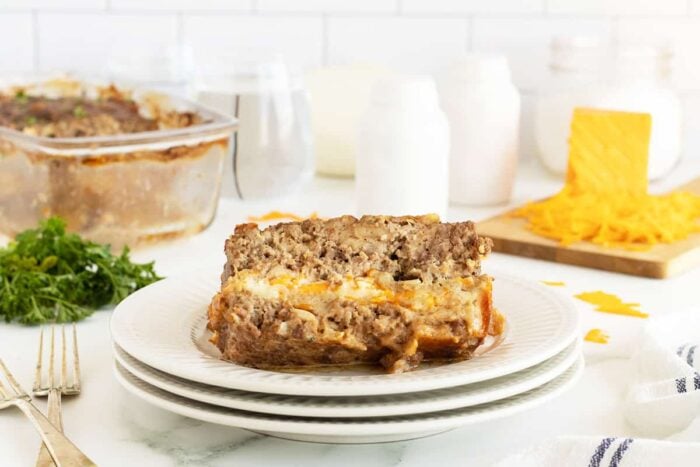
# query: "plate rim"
[[184, 388], [323, 386], [437, 421]]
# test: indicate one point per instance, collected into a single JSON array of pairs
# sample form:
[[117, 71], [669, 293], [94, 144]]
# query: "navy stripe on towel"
[[680, 385], [600, 452], [619, 452], [696, 380], [691, 355]]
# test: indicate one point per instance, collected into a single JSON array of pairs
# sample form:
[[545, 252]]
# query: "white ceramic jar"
[[339, 97], [483, 109], [403, 147], [574, 81], [640, 82], [586, 73]]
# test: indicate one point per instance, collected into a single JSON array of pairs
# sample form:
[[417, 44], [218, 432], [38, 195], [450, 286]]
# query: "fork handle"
[[56, 419], [63, 452]]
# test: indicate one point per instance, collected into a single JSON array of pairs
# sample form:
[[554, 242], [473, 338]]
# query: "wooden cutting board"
[[510, 236]]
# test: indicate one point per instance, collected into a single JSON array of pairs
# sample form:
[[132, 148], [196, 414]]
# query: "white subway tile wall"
[[408, 44], [16, 34], [298, 39], [525, 41], [328, 6], [183, 5], [54, 4], [85, 42], [408, 35], [618, 7], [473, 6]]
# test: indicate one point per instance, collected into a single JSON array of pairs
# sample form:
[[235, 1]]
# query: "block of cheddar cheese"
[[608, 151]]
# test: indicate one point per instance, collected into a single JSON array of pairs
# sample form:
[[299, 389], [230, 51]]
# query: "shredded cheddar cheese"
[[605, 199], [279, 215], [597, 336], [554, 283], [608, 303]]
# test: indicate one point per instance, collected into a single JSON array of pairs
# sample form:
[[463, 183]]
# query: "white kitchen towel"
[[663, 398], [606, 452]]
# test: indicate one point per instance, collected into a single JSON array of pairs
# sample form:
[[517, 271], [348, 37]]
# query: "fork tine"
[[63, 357], [76, 360], [11, 379], [37, 374], [51, 359], [3, 392]]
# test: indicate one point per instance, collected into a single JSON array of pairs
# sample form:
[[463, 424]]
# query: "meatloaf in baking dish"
[[112, 112], [382, 290]]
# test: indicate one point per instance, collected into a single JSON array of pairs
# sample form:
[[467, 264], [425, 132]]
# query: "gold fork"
[[52, 389], [63, 452]]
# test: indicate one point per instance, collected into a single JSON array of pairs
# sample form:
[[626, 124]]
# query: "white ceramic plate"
[[164, 326], [356, 430], [371, 406]]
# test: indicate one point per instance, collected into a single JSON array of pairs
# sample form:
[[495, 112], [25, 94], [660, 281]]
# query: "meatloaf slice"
[[407, 247], [384, 290]]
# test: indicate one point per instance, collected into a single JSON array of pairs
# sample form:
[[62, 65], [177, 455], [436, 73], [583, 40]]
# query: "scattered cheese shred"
[[554, 283], [597, 335], [279, 215], [609, 303], [605, 199]]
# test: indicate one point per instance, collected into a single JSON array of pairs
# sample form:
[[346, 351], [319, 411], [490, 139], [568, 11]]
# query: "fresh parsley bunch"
[[49, 275]]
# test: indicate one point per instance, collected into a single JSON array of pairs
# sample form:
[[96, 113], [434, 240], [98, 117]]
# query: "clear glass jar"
[[272, 154], [584, 72]]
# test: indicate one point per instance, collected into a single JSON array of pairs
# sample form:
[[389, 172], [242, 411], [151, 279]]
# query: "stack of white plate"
[[163, 357]]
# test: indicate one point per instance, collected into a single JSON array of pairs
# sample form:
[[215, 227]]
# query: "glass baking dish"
[[126, 189]]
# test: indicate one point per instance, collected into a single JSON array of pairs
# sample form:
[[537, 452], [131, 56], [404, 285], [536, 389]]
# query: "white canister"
[[483, 109], [403, 147], [585, 72]]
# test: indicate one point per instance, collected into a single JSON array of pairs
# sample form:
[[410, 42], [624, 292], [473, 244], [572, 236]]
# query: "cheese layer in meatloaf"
[[384, 290]]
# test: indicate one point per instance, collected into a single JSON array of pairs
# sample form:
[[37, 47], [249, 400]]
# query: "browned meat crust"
[[386, 290], [407, 247], [65, 117]]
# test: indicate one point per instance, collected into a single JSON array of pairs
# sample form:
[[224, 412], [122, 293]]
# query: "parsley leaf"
[[49, 275], [79, 111], [21, 96]]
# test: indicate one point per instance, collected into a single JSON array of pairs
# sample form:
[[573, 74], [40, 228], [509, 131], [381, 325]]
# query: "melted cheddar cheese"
[[279, 215], [374, 288]]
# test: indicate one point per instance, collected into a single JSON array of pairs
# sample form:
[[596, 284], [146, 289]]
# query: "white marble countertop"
[[115, 428]]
